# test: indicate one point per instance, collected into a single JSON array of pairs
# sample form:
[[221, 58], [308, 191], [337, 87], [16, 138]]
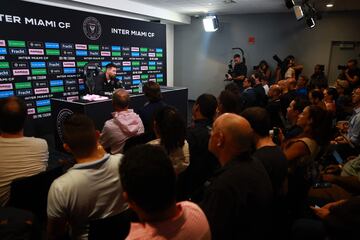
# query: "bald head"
[[291, 83], [121, 99], [231, 135], [283, 84]]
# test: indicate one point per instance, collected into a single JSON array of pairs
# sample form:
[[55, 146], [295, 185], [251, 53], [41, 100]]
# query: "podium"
[[100, 111]]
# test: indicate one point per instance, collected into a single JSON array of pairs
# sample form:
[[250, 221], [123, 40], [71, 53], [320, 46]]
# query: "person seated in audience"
[[261, 98], [249, 96], [148, 179], [302, 150], [228, 102], [330, 97], [295, 108], [352, 136], [288, 95], [351, 74], [274, 107], [153, 93], [20, 156], [318, 79], [301, 87], [344, 179], [267, 151], [90, 190], [237, 201], [124, 124], [336, 220], [170, 131], [202, 163], [343, 102], [316, 97]]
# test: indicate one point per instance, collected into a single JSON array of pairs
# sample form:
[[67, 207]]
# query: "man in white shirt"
[[20, 156], [90, 190], [124, 124]]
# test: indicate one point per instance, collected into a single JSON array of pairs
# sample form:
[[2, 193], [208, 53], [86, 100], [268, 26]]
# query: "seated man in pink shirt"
[[124, 124], [148, 179]]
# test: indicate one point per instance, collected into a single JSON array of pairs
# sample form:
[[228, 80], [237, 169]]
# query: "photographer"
[[238, 72], [318, 79], [350, 73]]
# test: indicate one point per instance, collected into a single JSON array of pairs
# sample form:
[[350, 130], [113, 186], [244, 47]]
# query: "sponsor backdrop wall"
[[44, 49]]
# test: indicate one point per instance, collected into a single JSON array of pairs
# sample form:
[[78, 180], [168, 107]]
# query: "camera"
[[278, 60], [342, 67]]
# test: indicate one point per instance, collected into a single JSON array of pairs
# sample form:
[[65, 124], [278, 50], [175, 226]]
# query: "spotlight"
[[329, 5], [211, 23], [289, 4], [298, 12], [310, 22]]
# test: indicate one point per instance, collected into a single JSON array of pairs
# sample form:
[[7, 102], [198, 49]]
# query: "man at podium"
[[106, 82]]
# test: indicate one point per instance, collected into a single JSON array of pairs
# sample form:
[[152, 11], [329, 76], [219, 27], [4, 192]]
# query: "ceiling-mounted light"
[[289, 4], [329, 5], [310, 22], [211, 23]]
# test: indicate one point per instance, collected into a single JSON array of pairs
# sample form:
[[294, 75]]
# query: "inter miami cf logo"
[[92, 28]]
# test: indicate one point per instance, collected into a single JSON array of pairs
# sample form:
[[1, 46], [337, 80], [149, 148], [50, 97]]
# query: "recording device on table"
[[236, 50]]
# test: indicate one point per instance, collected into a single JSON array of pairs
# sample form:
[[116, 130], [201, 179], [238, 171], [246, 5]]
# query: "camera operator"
[[293, 70], [318, 79], [238, 72], [350, 73]]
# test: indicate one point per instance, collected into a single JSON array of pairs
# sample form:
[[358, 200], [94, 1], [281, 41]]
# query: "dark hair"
[[263, 62], [317, 94], [207, 104], [321, 124], [259, 75], [236, 55], [259, 120], [301, 102], [12, 114], [79, 133], [332, 92], [229, 102], [148, 177], [121, 100], [353, 61], [110, 65], [234, 88], [306, 79], [152, 91], [171, 127]]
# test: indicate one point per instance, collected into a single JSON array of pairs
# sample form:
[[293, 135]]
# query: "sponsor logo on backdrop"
[[92, 28]]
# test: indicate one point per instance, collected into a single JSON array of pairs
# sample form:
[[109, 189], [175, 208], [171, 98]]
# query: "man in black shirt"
[[202, 162], [351, 74], [274, 107], [106, 82], [318, 79], [261, 98], [238, 72], [238, 199]]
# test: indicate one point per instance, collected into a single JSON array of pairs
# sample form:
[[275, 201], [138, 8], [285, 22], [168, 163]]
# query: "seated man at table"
[[20, 156], [124, 124], [106, 82]]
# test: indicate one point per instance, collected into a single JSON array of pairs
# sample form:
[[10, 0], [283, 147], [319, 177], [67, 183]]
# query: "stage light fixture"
[[329, 5], [298, 12], [289, 4], [211, 23], [310, 22]]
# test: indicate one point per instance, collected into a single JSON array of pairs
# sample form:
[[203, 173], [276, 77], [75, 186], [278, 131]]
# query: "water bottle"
[[140, 87]]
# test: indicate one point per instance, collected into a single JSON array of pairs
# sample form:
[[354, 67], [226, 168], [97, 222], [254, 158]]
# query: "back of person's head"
[[12, 115], [236, 55], [207, 105], [148, 178], [301, 102], [120, 99], [258, 75], [80, 135], [303, 81], [171, 127], [228, 102], [291, 83], [274, 91], [233, 87], [321, 124], [152, 91], [316, 95], [259, 120], [331, 91]]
